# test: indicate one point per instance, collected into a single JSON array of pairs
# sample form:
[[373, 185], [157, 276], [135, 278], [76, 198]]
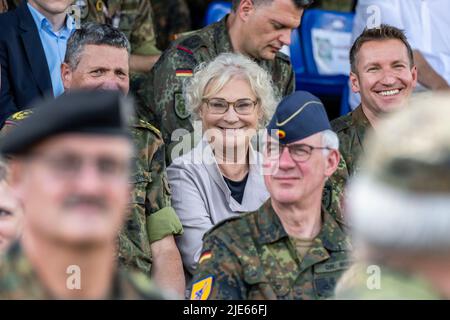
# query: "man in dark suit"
[[31, 41]]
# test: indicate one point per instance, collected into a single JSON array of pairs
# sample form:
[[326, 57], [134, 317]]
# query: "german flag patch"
[[184, 72], [205, 256]]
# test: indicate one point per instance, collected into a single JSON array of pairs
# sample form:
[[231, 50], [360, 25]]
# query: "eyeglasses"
[[221, 106], [68, 166], [298, 152]]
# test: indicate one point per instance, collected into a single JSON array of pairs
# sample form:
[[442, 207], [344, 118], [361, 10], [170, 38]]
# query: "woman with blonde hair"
[[222, 176]]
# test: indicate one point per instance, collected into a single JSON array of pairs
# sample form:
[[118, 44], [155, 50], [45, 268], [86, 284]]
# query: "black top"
[[237, 188]]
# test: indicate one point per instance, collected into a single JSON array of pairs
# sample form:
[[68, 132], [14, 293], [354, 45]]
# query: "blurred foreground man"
[[97, 59], [290, 248], [400, 208], [72, 176]]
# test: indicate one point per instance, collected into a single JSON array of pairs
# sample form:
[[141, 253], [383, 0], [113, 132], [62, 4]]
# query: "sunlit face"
[[385, 79], [290, 182], [51, 6], [231, 130], [75, 188], [268, 27], [100, 67], [10, 217]]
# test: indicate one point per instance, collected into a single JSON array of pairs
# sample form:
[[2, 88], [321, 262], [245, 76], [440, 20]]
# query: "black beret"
[[298, 116], [93, 112]]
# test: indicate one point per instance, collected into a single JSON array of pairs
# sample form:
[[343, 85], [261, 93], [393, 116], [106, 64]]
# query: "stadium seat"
[[325, 38], [216, 10]]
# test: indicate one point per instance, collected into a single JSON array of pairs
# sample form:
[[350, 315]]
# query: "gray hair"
[[300, 4], [329, 140], [217, 73], [93, 34]]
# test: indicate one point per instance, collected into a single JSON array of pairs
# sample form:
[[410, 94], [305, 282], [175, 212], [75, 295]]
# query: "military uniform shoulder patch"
[[205, 256], [180, 106], [184, 73], [202, 288]]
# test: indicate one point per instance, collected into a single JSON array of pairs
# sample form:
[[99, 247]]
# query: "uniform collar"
[[271, 230], [360, 123], [222, 37]]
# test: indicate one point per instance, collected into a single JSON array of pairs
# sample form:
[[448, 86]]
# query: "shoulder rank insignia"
[[202, 288]]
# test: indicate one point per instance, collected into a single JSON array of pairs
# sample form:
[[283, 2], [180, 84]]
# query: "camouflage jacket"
[[351, 130], [252, 257], [378, 282], [172, 17], [18, 280], [161, 93], [132, 17], [152, 216]]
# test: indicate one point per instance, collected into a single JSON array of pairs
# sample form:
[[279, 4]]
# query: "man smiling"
[[383, 72]]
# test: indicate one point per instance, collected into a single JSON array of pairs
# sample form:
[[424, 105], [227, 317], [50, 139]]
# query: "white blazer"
[[201, 197]]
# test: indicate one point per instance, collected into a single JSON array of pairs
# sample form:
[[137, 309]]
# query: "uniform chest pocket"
[[326, 276], [262, 286]]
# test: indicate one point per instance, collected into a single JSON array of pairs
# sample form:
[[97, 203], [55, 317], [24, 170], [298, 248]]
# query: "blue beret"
[[92, 112], [298, 116]]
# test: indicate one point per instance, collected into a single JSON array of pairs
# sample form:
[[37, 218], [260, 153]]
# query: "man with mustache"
[[72, 176], [97, 59]]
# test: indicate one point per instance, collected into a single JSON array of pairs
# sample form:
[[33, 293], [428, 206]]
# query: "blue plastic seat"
[[310, 79], [216, 10]]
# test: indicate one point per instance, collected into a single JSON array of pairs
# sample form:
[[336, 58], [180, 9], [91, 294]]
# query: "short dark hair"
[[300, 4], [383, 32], [94, 34]]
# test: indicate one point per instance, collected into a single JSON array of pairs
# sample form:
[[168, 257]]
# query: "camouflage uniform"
[[171, 17], [394, 285], [252, 257], [152, 217], [351, 129], [132, 17], [161, 92], [18, 280]]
